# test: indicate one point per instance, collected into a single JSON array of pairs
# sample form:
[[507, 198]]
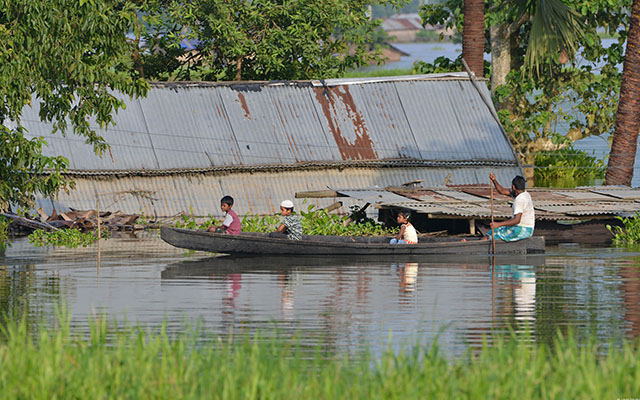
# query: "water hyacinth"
[[131, 362], [317, 221], [629, 233]]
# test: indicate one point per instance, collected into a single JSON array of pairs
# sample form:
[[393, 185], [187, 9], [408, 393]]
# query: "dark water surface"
[[342, 304]]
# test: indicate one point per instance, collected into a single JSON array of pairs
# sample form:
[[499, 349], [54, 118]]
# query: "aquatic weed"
[[71, 238], [629, 233], [317, 221]]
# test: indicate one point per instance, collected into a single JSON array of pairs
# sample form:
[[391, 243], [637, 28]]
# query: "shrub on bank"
[[112, 362]]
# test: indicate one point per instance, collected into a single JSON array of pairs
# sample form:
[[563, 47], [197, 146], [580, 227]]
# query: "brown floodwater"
[[341, 304]]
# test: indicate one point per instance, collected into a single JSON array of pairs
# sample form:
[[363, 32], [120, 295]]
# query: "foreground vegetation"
[[112, 362]]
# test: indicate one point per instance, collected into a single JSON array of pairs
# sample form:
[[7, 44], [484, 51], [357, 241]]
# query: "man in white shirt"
[[520, 225]]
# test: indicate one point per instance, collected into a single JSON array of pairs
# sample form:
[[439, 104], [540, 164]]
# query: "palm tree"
[[556, 31], [473, 36], [625, 136]]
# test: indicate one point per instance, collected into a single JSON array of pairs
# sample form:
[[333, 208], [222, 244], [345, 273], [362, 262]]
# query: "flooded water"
[[341, 304]]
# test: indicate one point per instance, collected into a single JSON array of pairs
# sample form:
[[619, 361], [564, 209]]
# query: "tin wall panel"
[[255, 193]]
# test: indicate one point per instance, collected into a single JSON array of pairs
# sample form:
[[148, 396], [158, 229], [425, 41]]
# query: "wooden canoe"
[[261, 244]]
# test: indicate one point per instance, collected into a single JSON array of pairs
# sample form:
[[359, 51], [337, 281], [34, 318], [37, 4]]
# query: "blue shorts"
[[512, 233]]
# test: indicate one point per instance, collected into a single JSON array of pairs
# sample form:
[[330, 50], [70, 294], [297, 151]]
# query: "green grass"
[[113, 362]]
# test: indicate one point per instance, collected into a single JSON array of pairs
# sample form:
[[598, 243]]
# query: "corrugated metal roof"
[[427, 117], [402, 22], [191, 143], [475, 201]]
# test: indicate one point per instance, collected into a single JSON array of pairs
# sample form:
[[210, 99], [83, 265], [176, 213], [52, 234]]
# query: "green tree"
[[548, 99], [71, 58], [271, 39]]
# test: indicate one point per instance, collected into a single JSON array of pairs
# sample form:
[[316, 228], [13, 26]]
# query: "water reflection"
[[24, 293], [630, 286], [521, 281], [408, 273], [340, 303]]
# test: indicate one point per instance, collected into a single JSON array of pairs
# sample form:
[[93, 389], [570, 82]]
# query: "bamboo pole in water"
[[99, 232], [493, 237]]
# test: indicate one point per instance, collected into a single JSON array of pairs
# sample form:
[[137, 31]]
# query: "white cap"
[[286, 204]]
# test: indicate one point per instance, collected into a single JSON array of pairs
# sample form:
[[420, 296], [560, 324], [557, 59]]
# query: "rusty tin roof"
[[192, 142], [436, 118]]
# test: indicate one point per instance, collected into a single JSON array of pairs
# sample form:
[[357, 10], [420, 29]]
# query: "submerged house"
[[188, 144]]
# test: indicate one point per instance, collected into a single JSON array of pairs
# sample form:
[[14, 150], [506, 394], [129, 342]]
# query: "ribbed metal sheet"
[[367, 121], [297, 116], [374, 196], [255, 193], [450, 121], [620, 193], [583, 195], [189, 127], [178, 126]]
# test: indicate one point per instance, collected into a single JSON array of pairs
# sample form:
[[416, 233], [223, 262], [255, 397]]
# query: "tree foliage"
[[566, 100], [261, 39], [70, 58]]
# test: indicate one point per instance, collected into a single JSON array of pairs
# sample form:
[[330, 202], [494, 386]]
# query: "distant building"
[[406, 27], [392, 53]]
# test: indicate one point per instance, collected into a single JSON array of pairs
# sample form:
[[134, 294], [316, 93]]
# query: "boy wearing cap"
[[291, 225]]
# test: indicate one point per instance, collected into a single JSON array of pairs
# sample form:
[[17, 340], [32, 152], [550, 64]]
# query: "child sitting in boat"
[[231, 224], [291, 225], [407, 234]]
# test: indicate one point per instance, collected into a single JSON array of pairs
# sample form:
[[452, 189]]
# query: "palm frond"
[[555, 28]]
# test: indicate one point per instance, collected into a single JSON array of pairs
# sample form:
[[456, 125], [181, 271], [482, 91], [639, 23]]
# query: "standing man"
[[520, 225]]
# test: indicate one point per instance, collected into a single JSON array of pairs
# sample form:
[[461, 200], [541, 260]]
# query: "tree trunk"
[[238, 76], [500, 56], [473, 35], [625, 137]]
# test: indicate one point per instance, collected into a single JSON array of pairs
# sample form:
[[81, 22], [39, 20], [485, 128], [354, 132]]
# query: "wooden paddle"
[[493, 237]]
